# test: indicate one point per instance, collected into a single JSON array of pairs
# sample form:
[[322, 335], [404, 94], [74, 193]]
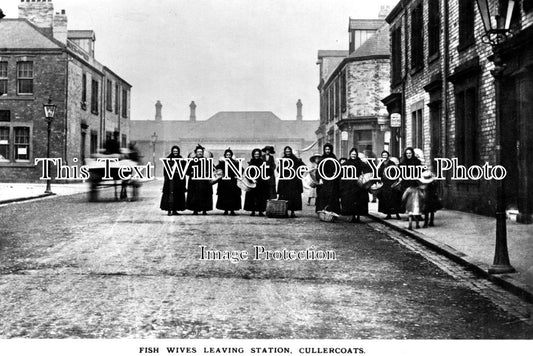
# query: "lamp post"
[[154, 140], [49, 112], [497, 30]]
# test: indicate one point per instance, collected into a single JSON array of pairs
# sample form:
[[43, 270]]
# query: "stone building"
[[41, 59], [242, 131], [442, 86], [351, 85]]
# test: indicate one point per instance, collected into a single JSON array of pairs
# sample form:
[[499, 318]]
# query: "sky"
[[226, 55]]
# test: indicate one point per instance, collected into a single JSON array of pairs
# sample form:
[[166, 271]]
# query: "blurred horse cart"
[[97, 166]]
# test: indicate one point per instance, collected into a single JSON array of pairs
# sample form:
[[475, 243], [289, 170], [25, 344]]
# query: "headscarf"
[[228, 150], [413, 161], [172, 149], [331, 155], [256, 161]]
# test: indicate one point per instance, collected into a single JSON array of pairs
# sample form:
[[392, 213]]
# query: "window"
[[94, 142], [4, 144], [14, 142], [466, 23], [343, 92], [109, 96], [417, 126], [84, 91], [466, 125], [3, 78], [25, 78], [124, 141], [124, 103], [5, 116], [22, 143], [433, 27], [363, 141], [337, 96], [117, 99], [94, 97], [417, 38], [396, 55]]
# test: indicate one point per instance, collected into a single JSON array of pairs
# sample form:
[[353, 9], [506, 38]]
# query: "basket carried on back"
[[277, 208]]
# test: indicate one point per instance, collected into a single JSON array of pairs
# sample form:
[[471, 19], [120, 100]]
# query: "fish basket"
[[327, 216], [245, 184], [277, 208]]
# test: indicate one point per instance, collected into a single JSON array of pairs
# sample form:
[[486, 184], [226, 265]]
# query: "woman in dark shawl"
[[256, 198], [409, 159], [200, 191], [291, 189], [354, 198], [268, 158], [173, 198], [229, 194], [389, 198], [327, 192]]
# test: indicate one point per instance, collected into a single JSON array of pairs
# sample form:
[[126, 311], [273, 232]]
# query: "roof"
[[364, 24], [331, 53], [228, 125], [21, 34], [376, 46], [80, 34]]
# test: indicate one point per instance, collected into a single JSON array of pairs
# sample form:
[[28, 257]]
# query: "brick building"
[[441, 84], [41, 59], [242, 131], [351, 86]]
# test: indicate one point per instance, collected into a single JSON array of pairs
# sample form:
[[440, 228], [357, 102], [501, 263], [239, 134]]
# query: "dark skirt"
[[291, 190], [327, 196], [354, 199], [173, 198], [389, 199], [255, 199], [229, 195], [200, 195]]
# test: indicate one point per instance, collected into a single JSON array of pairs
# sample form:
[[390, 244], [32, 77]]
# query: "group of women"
[[341, 195], [198, 195]]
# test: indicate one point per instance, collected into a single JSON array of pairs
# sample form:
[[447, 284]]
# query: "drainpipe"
[[65, 123], [445, 100]]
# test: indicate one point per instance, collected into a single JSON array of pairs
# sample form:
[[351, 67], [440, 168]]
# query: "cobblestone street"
[[70, 268]]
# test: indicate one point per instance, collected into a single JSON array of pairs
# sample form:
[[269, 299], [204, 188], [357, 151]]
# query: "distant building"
[[351, 85], [41, 59], [242, 131]]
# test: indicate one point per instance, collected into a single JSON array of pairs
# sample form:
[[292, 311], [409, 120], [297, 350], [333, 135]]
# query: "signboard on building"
[[344, 136], [395, 120]]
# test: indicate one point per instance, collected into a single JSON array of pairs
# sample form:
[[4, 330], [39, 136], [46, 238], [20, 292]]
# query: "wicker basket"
[[277, 208], [245, 184], [327, 216]]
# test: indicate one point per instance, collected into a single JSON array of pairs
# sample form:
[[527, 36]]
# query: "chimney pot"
[[192, 116], [158, 107], [299, 105]]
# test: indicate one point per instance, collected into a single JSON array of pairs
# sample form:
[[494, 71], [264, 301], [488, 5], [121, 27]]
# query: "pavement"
[[468, 239]]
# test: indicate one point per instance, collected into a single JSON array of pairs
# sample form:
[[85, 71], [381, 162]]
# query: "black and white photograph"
[[282, 177]]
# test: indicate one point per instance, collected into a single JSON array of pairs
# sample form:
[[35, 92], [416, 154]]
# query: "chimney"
[[192, 117], [158, 106], [299, 110], [384, 12], [38, 12], [59, 28]]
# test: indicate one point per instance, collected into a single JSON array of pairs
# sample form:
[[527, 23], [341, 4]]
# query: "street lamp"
[[49, 112], [497, 30], [154, 140]]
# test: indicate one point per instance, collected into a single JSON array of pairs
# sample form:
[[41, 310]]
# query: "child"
[[413, 199]]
